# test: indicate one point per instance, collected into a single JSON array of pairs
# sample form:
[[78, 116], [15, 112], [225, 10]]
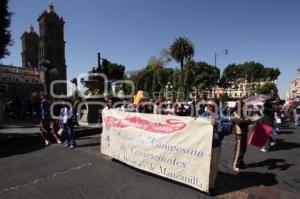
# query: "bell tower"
[[30, 44], [52, 49]]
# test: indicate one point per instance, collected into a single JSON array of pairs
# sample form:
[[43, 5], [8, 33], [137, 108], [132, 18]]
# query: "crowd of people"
[[23, 108], [226, 118]]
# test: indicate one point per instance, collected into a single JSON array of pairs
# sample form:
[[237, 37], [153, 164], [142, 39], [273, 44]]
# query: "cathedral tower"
[[30, 44], [52, 49]]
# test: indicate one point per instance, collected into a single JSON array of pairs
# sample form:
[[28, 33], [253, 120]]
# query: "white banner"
[[178, 148]]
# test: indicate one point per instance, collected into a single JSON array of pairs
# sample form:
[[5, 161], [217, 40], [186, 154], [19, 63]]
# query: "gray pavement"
[[35, 171]]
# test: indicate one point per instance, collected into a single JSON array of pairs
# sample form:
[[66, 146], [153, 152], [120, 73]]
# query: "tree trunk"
[[181, 66], [182, 84]]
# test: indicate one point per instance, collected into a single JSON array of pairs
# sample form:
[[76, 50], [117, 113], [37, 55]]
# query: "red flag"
[[260, 134]]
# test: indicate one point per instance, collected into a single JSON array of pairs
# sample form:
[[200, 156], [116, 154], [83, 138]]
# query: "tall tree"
[[268, 88], [182, 50], [206, 75], [5, 35], [250, 71]]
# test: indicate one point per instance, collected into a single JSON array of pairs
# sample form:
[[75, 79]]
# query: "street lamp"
[[226, 52]]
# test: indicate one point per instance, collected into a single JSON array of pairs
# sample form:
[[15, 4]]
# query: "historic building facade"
[[51, 54], [20, 81], [240, 90], [43, 60], [295, 86]]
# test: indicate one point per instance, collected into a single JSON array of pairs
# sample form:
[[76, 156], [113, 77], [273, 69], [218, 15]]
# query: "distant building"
[[43, 60], [20, 81], [295, 86], [240, 90]]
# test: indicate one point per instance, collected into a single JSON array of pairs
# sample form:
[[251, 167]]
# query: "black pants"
[[268, 143], [240, 150]]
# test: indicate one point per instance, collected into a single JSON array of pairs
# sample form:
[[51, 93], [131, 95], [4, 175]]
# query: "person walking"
[[240, 128], [45, 131], [66, 122], [45, 106], [268, 119], [297, 114]]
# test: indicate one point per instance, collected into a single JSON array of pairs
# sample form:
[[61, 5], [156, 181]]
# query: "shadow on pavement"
[[6, 151], [18, 143], [271, 164], [19, 126], [285, 132], [87, 145], [282, 145], [226, 182]]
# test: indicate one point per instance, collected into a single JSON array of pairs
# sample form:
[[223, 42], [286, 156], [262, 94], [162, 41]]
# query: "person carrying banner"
[[240, 128], [221, 126], [109, 104]]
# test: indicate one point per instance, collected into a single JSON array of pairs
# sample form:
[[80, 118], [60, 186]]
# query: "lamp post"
[[226, 52]]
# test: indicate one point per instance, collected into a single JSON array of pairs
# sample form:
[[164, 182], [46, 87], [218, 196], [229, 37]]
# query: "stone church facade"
[[47, 50], [43, 60]]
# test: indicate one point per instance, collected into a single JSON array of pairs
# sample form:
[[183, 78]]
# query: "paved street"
[[34, 171]]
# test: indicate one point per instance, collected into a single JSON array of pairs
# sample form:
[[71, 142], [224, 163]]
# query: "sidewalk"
[[27, 132]]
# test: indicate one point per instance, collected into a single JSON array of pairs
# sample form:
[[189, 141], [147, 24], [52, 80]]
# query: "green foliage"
[[268, 88], [113, 71], [200, 75], [250, 71], [5, 35], [155, 77], [271, 73], [182, 50]]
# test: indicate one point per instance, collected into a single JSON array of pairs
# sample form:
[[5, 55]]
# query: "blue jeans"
[[297, 120], [69, 134]]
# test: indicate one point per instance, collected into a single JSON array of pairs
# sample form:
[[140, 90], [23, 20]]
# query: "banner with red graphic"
[[178, 148]]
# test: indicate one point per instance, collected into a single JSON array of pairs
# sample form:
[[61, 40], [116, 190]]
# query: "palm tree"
[[182, 50]]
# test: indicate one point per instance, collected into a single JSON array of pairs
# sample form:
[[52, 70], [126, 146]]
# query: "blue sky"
[[129, 32]]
